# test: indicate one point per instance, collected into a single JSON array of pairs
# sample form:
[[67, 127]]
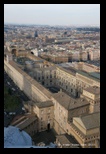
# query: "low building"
[[92, 94], [44, 112], [65, 108], [28, 123], [94, 55], [86, 130]]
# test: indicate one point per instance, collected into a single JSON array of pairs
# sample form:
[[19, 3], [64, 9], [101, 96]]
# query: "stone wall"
[[31, 88], [59, 130]]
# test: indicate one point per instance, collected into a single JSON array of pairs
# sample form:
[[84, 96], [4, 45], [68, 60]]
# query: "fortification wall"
[[31, 88]]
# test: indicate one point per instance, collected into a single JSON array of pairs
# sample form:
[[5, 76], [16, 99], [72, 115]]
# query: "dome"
[[13, 136]]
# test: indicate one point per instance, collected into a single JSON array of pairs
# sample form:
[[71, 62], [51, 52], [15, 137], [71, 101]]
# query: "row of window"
[[79, 83], [39, 78], [47, 76], [48, 117], [92, 137]]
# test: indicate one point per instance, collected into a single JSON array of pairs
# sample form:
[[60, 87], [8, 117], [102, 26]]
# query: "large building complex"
[[63, 98]]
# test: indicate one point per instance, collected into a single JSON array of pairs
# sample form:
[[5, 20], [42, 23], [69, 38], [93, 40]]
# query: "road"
[[15, 90]]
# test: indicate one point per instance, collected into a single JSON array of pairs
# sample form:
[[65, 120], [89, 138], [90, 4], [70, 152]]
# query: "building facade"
[[58, 110]]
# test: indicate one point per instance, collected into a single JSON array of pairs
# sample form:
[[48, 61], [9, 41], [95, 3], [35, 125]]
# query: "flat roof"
[[95, 74], [88, 75], [70, 71], [46, 68]]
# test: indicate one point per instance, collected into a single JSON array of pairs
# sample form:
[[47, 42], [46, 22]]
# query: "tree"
[[10, 91]]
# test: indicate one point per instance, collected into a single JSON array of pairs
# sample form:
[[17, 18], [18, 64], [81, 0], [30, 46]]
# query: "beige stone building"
[[86, 67], [94, 55], [92, 94], [80, 95], [75, 56], [45, 114], [28, 123], [65, 108], [86, 130], [56, 58], [74, 81], [45, 75], [83, 56]]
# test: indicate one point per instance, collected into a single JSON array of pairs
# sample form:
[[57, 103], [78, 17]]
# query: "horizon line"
[[67, 25]]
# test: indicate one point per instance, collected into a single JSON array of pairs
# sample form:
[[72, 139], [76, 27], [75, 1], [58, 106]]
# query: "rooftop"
[[95, 74], [89, 121], [66, 69], [66, 139], [95, 90], [44, 68], [22, 123], [68, 102], [44, 104], [88, 75]]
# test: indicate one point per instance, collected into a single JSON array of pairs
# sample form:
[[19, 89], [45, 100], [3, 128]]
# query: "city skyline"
[[53, 14]]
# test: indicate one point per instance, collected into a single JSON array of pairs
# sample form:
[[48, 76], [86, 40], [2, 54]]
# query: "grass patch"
[[11, 102]]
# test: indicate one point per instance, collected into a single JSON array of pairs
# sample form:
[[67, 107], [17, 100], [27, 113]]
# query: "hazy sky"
[[52, 14]]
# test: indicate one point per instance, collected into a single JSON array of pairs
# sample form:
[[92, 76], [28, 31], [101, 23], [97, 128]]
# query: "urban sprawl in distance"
[[52, 85]]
